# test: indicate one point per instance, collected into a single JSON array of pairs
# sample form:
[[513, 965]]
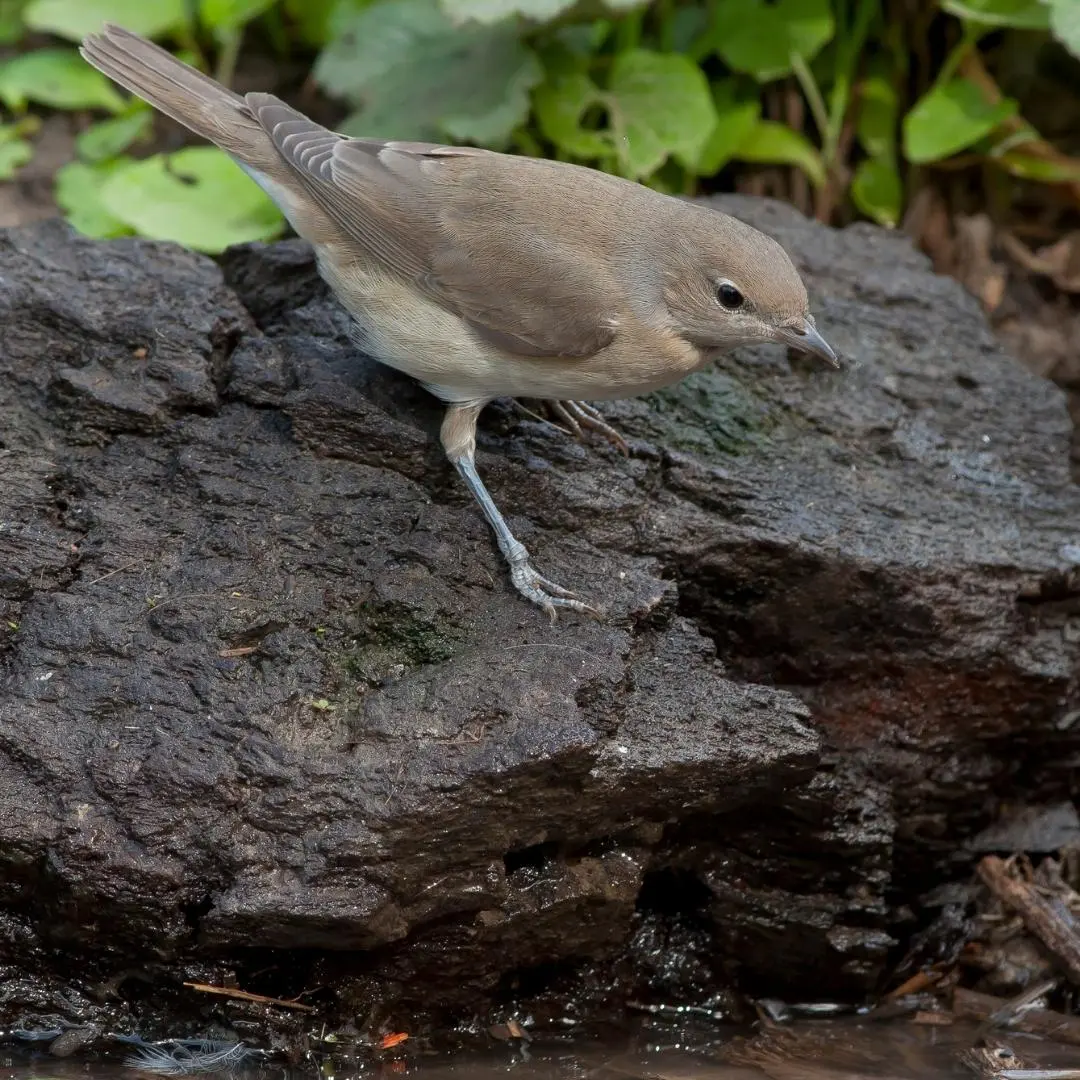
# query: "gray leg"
[[526, 580], [458, 436]]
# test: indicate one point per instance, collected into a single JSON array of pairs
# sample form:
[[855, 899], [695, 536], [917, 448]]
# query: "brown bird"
[[486, 275]]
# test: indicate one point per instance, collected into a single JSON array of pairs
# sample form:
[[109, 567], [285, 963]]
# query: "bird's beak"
[[805, 338]]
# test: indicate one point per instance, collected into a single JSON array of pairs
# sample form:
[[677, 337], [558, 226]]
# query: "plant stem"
[[665, 17], [811, 92], [628, 30], [228, 56]]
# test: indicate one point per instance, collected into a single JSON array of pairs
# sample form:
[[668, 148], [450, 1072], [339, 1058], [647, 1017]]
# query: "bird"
[[487, 275]]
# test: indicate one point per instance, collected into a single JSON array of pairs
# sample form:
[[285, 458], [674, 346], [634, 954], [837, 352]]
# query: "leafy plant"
[[671, 93]]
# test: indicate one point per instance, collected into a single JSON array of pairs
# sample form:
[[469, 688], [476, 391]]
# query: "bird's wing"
[[448, 219]]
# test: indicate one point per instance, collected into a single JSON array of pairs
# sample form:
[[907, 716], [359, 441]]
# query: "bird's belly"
[[403, 329]]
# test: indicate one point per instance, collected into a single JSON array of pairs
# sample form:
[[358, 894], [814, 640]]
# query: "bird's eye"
[[729, 296]]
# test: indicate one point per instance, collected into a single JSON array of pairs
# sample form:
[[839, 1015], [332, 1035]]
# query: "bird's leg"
[[459, 442]]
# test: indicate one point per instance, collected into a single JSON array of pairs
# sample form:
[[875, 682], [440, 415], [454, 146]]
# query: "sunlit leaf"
[[735, 120], [771, 143], [111, 137], [225, 15], [1020, 14], [74, 19], [58, 78], [559, 105], [877, 191], [758, 38], [660, 107], [197, 197], [412, 74], [77, 190], [951, 118]]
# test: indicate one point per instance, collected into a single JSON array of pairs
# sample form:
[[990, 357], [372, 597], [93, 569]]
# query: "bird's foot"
[[543, 592], [580, 416]]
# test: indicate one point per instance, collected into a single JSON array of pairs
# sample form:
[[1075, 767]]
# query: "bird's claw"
[[545, 593], [580, 416]]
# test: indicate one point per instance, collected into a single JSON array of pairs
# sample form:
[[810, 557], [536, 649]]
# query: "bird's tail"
[[179, 91]]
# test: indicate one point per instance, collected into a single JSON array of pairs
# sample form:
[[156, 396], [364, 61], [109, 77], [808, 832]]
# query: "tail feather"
[[179, 91]]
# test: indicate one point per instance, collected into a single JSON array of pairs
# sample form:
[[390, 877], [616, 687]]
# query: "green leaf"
[[57, 78], [77, 190], [758, 38], [311, 19], [415, 75], [950, 118], [198, 197], [1043, 170], [493, 11], [110, 138], [878, 114], [735, 120], [228, 15], [559, 105], [1065, 23], [877, 191], [771, 143], [74, 19], [660, 107], [12, 27], [1019, 14], [14, 154]]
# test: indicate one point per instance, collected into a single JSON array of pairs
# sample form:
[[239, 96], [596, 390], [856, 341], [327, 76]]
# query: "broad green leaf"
[[771, 143], [57, 78], [110, 138], [660, 107], [226, 15], [878, 115], [735, 120], [1065, 23], [197, 197], [877, 191], [14, 154], [77, 190], [1020, 14], [493, 11], [415, 75], [74, 19], [951, 118], [560, 105], [758, 38]]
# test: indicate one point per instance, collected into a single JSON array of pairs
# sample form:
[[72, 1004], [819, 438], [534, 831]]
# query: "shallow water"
[[826, 1050]]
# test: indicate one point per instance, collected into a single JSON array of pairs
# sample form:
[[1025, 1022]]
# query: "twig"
[[971, 1005], [1052, 923], [245, 995]]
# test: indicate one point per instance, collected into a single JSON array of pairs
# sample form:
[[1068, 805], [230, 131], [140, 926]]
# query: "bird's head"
[[727, 284]]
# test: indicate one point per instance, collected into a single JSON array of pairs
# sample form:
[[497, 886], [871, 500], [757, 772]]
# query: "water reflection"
[[822, 1050]]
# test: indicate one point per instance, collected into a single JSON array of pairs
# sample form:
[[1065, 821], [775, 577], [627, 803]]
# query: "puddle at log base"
[[811, 1050]]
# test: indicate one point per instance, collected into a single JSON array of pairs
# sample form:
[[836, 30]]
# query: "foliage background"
[[847, 107]]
